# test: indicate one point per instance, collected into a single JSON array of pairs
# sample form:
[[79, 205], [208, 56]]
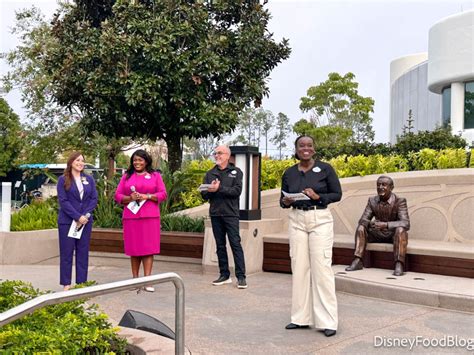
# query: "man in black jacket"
[[225, 187]]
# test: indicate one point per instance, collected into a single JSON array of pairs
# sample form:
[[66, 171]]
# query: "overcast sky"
[[326, 36]]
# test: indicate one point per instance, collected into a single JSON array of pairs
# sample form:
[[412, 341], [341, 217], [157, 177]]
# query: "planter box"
[[26, 248], [177, 244]]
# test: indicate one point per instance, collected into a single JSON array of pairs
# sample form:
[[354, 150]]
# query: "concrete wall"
[[251, 234], [25, 248], [440, 204]]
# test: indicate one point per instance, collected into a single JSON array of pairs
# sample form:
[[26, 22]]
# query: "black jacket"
[[225, 201], [321, 178]]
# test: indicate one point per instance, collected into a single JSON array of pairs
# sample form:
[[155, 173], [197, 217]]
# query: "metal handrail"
[[97, 290]]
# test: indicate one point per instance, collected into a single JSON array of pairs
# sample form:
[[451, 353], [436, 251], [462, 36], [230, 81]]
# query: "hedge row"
[[345, 166]]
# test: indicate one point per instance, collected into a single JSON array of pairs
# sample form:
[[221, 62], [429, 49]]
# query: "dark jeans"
[[230, 226]]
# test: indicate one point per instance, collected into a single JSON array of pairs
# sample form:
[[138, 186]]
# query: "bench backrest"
[[440, 203]]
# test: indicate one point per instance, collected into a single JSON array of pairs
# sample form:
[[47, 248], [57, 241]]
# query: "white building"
[[438, 86]]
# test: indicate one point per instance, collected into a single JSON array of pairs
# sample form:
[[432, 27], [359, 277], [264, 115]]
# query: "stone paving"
[[226, 320]]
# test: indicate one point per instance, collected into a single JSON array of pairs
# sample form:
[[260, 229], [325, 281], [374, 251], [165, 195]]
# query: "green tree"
[[254, 124], [325, 135], [248, 128], [336, 102], [266, 121], [201, 148], [11, 141], [283, 129], [333, 141], [161, 69], [52, 130]]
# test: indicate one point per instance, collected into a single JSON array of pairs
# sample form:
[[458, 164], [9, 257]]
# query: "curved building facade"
[[439, 89], [410, 97]]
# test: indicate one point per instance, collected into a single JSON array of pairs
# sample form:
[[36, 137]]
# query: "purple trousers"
[[67, 247]]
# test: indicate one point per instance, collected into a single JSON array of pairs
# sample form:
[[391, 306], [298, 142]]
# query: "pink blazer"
[[144, 184]]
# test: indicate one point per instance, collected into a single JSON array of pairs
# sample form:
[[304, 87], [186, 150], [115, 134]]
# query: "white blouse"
[[80, 186]]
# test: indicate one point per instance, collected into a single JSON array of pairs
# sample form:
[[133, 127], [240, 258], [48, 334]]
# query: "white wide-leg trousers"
[[314, 291]]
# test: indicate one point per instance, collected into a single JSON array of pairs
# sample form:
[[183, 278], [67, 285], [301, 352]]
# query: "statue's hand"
[[380, 225]]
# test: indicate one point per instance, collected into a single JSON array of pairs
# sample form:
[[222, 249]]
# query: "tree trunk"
[[175, 153], [110, 167]]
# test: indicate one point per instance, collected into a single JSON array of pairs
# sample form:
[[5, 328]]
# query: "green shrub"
[[181, 223], [38, 215], [439, 139], [181, 186], [272, 171], [69, 328], [427, 159], [108, 213], [451, 159], [330, 151], [195, 171], [347, 166]]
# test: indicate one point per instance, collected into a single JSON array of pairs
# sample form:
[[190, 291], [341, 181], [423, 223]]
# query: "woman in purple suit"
[[141, 190], [77, 197]]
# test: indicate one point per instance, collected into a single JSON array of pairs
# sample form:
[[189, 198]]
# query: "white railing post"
[[6, 207]]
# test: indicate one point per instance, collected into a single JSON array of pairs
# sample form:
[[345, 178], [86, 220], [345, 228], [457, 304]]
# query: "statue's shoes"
[[356, 265], [398, 269]]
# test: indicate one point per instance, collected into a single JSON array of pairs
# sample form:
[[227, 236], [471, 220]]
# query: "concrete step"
[[449, 292]]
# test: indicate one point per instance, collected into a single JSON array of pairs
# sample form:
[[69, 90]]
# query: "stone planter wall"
[[25, 248]]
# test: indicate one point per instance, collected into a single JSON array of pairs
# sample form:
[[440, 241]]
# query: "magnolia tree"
[[160, 69], [10, 137]]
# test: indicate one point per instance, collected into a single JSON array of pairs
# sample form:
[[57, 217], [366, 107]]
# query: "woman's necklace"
[[141, 172]]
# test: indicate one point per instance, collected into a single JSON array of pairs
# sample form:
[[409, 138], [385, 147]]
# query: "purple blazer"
[[71, 207]]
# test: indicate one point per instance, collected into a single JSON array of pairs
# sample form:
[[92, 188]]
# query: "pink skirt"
[[141, 236]]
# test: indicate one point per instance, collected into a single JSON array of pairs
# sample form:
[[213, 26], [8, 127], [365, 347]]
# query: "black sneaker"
[[222, 280], [241, 282]]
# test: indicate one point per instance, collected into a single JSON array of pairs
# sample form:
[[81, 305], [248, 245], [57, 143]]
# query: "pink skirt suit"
[[141, 231]]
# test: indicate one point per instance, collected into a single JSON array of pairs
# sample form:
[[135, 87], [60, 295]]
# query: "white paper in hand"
[[299, 196], [204, 187], [135, 206], [74, 232]]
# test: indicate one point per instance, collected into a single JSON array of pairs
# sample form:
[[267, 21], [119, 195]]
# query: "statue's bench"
[[444, 258], [440, 239]]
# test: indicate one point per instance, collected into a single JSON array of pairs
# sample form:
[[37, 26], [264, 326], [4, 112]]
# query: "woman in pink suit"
[[144, 187]]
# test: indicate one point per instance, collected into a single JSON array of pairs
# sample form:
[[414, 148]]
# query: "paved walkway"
[[226, 320]]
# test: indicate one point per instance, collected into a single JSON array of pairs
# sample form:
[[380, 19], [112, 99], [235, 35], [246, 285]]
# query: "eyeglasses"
[[219, 153]]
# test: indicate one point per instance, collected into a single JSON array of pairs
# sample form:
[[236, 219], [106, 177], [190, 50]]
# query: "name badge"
[[147, 176], [317, 169]]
